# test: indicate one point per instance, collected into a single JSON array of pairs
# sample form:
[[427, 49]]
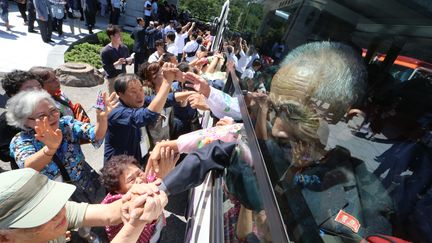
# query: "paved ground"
[[23, 50]]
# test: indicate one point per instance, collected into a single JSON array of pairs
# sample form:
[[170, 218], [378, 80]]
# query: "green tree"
[[244, 15], [204, 10]]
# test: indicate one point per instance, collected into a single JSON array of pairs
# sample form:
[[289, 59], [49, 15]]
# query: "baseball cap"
[[29, 199]]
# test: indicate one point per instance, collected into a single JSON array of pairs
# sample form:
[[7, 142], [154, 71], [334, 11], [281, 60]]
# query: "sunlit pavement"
[[23, 50]]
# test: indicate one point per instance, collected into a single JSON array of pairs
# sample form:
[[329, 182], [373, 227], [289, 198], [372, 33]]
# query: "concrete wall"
[[134, 9]]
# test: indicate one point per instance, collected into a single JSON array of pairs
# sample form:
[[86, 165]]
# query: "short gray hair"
[[22, 105], [338, 74]]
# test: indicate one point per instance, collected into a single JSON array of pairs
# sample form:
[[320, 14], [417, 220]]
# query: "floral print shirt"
[[24, 145]]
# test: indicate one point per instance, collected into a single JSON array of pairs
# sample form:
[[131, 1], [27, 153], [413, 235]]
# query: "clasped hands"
[[143, 204], [171, 72]]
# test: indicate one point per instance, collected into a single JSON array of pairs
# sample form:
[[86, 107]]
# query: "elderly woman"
[[51, 144], [12, 83], [120, 173]]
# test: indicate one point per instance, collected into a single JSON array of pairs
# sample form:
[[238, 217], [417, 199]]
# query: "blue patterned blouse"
[[24, 144]]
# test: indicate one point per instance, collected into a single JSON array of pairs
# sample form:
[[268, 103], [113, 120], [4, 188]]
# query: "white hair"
[[338, 73], [22, 105]]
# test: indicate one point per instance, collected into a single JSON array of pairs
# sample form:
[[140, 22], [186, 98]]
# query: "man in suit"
[[140, 45]]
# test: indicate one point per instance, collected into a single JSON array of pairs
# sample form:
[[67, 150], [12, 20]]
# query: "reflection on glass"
[[347, 145], [282, 14]]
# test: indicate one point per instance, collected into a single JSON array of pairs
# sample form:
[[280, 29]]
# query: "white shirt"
[[191, 46], [154, 57], [233, 58], [167, 29], [221, 104], [147, 12], [254, 57], [180, 41], [172, 48], [248, 73], [243, 62]]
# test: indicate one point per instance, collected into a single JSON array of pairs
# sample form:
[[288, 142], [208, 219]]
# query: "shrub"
[[90, 53], [103, 38], [86, 53], [127, 40]]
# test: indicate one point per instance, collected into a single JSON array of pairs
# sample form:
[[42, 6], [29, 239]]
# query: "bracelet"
[[45, 153]]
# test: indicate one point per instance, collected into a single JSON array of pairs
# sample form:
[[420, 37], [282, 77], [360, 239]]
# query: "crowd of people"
[[51, 14], [43, 130]]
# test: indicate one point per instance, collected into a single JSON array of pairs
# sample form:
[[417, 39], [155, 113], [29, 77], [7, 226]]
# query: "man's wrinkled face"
[[134, 95], [293, 120], [290, 84], [50, 230]]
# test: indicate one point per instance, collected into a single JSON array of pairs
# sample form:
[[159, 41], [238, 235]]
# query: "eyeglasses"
[[53, 113], [289, 111]]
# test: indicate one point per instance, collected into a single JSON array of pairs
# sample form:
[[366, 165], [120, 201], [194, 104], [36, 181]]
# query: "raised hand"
[[230, 66], [225, 121], [154, 207], [197, 101], [168, 160], [111, 102], [198, 83], [183, 95], [153, 163], [170, 71], [47, 135]]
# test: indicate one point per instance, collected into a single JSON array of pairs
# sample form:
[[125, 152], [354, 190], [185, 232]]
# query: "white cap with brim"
[[29, 199]]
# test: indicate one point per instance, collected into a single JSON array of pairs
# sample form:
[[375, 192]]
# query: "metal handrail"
[[216, 218], [275, 221]]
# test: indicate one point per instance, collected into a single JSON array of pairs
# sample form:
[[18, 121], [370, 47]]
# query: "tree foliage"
[[244, 16]]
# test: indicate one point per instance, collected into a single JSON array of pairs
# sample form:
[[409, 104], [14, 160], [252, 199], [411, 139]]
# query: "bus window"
[[346, 144]]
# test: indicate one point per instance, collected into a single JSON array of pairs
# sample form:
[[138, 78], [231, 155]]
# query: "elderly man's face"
[[293, 119], [51, 230]]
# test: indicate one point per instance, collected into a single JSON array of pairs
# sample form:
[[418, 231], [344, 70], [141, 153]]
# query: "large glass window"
[[344, 130]]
